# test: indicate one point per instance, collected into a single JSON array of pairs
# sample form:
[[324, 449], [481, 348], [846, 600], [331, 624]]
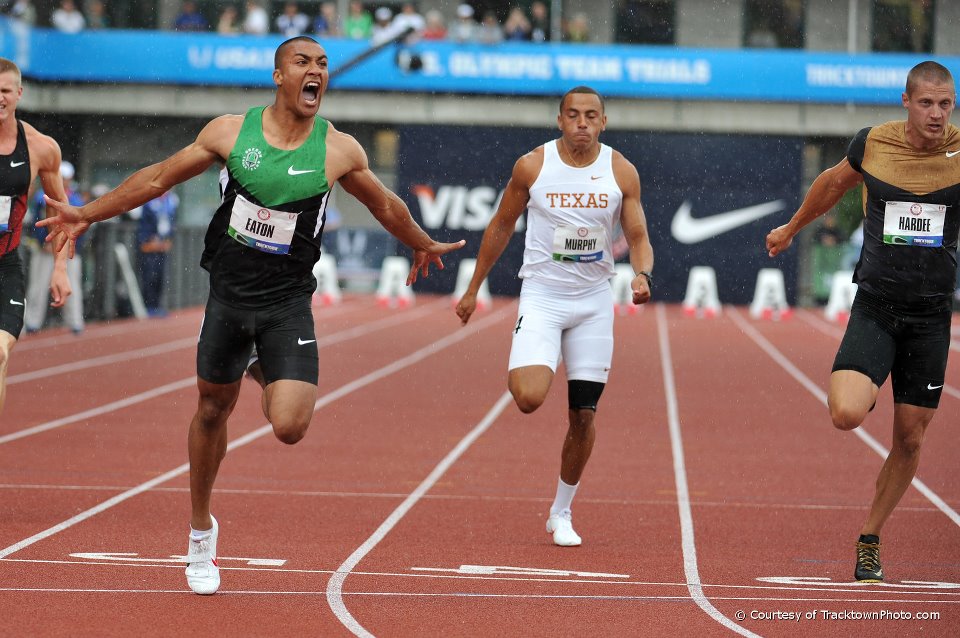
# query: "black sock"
[[869, 538]]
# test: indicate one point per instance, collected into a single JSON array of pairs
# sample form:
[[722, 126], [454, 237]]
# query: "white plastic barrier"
[[770, 296], [464, 275], [701, 299], [842, 292], [328, 286], [393, 290]]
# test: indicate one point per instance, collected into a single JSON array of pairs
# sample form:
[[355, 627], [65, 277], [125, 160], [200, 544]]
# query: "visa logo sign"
[[459, 207]]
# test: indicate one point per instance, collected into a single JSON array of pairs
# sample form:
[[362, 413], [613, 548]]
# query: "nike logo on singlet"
[[293, 171], [930, 386], [301, 342], [16, 164], [16, 303]]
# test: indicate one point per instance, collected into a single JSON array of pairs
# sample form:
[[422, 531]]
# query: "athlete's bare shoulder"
[[624, 171], [344, 154], [527, 168], [220, 134], [44, 150]]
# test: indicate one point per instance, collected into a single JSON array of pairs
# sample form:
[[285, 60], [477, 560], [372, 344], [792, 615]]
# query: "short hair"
[[582, 89], [9, 66], [283, 47], [928, 71]]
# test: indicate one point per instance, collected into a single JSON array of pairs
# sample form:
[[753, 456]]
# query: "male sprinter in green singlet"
[[900, 321], [280, 163]]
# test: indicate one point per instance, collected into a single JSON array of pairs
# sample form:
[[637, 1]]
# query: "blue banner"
[[154, 57], [710, 200]]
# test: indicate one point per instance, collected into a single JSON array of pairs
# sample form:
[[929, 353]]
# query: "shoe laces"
[[868, 555], [565, 514], [200, 549]]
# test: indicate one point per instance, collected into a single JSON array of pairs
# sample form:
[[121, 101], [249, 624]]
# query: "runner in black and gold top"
[[900, 321], [280, 163]]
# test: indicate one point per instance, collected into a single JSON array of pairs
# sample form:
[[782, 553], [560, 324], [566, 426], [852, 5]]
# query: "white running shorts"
[[572, 325]]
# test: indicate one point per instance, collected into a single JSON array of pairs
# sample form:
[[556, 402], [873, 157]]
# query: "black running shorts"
[[283, 334], [911, 347], [11, 294]]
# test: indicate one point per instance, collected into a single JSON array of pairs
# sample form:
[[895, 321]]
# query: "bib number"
[[5, 205], [913, 224], [264, 229], [582, 244]]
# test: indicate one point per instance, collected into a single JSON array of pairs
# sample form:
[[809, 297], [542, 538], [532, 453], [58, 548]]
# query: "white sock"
[[564, 498], [199, 535]]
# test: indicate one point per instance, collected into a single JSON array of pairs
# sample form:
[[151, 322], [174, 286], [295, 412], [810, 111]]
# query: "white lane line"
[[330, 339], [259, 432], [335, 584], [186, 342], [815, 390], [690, 569]]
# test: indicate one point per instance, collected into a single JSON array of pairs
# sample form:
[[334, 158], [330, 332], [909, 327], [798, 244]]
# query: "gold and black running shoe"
[[868, 560]]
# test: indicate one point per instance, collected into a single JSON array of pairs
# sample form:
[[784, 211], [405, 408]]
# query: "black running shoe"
[[868, 561]]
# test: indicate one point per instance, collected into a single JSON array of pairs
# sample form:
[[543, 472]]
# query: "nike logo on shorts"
[[301, 342], [930, 386]]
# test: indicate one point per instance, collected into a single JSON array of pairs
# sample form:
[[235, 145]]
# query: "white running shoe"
[[561, 526], [203, 575]]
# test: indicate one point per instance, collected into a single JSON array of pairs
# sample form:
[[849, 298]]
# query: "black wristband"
[[649, 277]]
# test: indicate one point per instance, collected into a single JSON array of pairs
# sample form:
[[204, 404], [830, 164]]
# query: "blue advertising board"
[[709, 200], [628, 71]]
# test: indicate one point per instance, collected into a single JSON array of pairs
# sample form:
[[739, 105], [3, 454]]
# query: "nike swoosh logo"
[[301, 342], [688, 230], [16, 303], [952, 153], [293, 171], [16, 164], [596, 178], [934, 387]]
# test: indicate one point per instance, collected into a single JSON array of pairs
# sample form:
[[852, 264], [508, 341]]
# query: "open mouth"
[[311, 92]]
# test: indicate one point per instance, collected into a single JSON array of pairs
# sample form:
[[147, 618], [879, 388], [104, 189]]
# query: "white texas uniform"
[[566, 303]]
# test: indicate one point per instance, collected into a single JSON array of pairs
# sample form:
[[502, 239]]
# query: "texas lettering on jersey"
[[577, 200]]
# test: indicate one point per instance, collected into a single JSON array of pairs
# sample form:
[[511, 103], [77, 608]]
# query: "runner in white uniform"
[[576, 190]]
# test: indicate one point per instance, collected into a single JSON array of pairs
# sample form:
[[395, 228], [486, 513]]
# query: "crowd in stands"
[[364, 21]]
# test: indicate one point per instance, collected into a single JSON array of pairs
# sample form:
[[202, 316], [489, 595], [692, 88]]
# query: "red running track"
[[719, 500]]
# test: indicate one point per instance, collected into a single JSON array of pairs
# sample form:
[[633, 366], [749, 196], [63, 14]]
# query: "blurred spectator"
[[97, 15], [68, 18], [41, 268], [465, 28], [358, 25], [190, 18], [490, 31], [256, 22], [229, 21], [435, 28], [408, 18], [24, 11], [382, 26], [517, 27], [539, 22], [327, 21], [154, 240], [853, 248], [292, 22], [828, 234], [578, 29]]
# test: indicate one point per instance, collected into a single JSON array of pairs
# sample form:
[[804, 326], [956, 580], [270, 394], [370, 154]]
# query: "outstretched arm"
[[212, 145], [500, 230], [634, 223], [391, 212], [823, 195]]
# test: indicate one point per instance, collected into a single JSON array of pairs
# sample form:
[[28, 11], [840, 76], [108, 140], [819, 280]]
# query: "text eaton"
[[261, 229]]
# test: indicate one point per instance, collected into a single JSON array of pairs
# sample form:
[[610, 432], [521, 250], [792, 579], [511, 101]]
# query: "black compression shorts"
[[11, 293], [283, 334], [910, 346]]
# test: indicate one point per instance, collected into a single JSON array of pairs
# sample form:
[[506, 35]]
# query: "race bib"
[[5, 206], [266, 230], [579, 243], [913, 224]]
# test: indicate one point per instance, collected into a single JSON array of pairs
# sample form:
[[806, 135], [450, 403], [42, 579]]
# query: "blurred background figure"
[[96, 15], [190, 18], [382, 26], [578, 29], [435, 27], [24, 11], [490, 31], [154, 240], [292, 22], [256, 21], [517, 27], [327, 21], [41, 268], [408, 18], [465, 28], [539, 22], [229, 21], [358, 25], [67, 18]]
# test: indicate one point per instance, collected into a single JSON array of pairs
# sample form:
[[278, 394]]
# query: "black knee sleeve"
[[584, 395]]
